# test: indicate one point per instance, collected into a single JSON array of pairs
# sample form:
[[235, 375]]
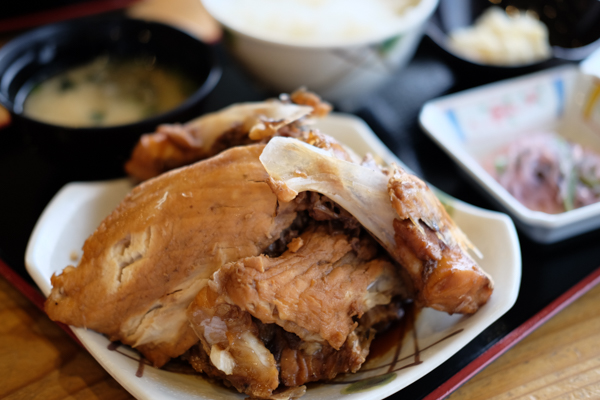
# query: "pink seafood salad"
[[547, 173]]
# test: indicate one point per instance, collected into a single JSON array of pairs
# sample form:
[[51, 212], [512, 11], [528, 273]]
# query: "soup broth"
[[107, 92]]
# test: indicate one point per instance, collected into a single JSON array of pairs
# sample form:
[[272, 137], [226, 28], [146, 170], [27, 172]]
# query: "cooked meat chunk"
[[316, 291], [230, 339], [433, 250], [302, 362], [173, 146], [176, 145], [304, 97], [396, 208], [299, 362], [200, 361], [145, 263]]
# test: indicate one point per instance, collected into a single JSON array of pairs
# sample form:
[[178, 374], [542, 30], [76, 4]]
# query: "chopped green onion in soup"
[[107, 92]]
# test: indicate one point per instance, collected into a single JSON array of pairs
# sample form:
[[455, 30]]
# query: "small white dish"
[[473, 124], [78, 208]]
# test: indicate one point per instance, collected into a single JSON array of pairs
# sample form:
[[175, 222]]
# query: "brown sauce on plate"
[[392, 338]]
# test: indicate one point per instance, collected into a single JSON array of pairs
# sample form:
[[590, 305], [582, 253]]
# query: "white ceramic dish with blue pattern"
[[474, 124]]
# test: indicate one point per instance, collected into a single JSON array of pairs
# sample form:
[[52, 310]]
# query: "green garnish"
[[569, 173], [387, 45], [66, 84], [569, 198], [35, 89], [590, 178], [97, 116], [589, 181], [500, 164]]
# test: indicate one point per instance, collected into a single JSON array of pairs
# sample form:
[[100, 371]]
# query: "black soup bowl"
[[573, 30], [99, 152]]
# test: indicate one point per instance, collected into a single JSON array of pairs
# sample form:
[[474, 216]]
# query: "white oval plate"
[[78, 208]]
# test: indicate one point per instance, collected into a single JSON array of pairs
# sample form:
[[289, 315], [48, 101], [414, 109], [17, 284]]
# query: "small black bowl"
[[573, 27], [39, 54]]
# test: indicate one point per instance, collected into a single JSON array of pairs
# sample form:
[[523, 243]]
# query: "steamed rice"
[[312, 21]]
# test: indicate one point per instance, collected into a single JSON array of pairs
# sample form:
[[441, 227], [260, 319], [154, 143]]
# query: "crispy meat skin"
[[176, 145], [147, 260], [433, 251]]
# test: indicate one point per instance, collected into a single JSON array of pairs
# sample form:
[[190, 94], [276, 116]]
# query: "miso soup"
[[107, 92]]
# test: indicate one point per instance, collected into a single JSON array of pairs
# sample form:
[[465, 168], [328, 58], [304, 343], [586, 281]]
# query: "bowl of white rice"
[[341, 49]]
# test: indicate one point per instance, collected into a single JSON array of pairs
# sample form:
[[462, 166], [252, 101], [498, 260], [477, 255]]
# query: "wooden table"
[[38, 360], [560, 360]]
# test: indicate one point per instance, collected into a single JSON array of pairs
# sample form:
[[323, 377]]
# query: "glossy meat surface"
[[145, 263], [306, 302], [230, 338], [176, 145], [315, 290], [433, 249], [399, 210]]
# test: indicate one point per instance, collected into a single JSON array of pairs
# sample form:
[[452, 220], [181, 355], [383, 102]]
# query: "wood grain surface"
[[38, 360], [561, 360]]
